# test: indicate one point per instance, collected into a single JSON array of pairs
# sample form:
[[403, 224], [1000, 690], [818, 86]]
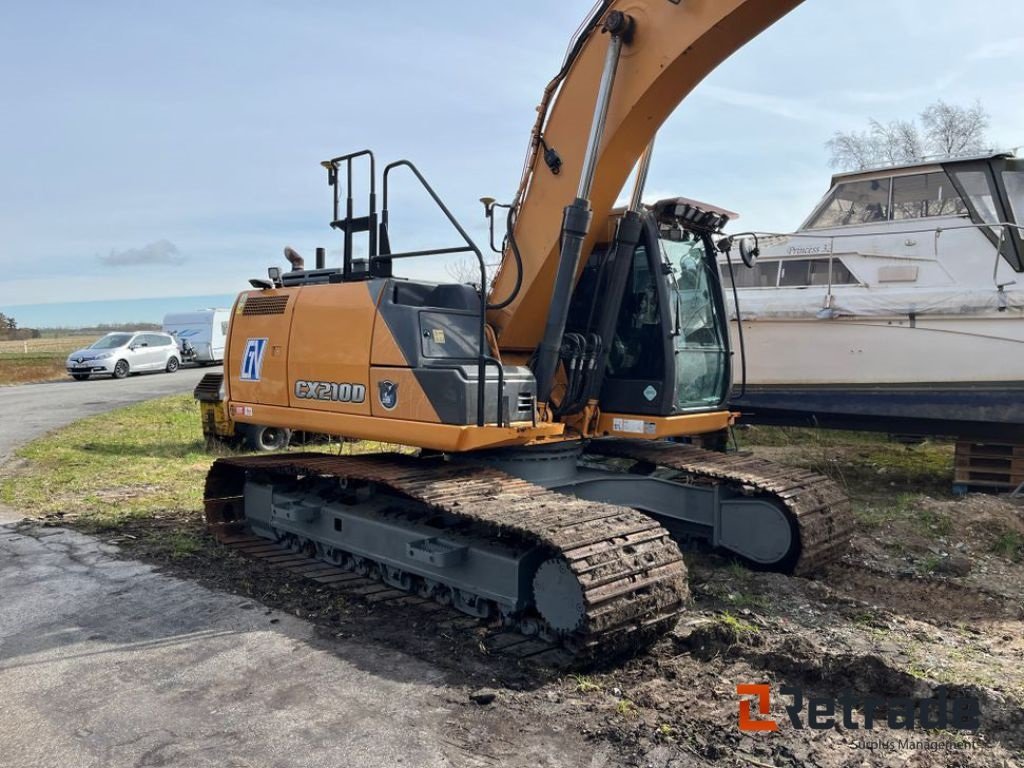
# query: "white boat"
[[897, 305]]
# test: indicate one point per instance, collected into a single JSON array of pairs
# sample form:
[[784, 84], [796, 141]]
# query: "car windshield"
[[113, 341]]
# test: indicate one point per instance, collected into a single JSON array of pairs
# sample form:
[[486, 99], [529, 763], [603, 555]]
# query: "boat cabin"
[[941, 223]]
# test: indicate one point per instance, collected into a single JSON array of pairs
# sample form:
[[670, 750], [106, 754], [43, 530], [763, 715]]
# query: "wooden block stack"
[[989, 466]]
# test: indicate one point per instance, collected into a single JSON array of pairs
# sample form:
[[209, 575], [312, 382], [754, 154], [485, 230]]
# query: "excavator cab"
[[669, 350]]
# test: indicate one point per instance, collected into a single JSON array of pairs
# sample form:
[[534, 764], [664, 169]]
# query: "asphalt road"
[[106, 662], [30, 410]]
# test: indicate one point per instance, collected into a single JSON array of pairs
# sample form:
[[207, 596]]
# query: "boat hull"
[[959, 377]]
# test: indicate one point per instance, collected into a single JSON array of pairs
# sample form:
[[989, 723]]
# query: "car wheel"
[[172, 365], [79, 376], [258, 438], [121, 370]]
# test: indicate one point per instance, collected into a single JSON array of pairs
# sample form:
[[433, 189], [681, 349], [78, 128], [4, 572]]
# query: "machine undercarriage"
[[572, 562]]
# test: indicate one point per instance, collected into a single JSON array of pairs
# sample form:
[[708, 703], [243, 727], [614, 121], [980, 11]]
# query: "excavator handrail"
[[350, 224], [483, 359]]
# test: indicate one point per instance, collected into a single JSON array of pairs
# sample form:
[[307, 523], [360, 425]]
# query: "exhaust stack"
[[294, 258]]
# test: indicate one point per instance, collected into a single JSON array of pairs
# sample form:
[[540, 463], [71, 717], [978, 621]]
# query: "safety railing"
[[484, 360]]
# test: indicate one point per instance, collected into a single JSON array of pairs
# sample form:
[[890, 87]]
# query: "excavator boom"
[[672, 46]]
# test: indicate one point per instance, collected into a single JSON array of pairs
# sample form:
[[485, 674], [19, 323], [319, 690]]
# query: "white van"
[[200, 335]]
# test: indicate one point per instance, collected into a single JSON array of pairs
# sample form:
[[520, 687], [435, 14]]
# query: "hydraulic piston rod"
[[577, 216]]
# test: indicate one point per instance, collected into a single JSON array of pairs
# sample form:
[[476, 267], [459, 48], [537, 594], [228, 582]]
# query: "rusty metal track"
[[496, 640], [632, 574], [819, 506]]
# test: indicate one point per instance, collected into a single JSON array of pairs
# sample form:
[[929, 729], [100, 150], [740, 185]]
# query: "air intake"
[[265, 305]]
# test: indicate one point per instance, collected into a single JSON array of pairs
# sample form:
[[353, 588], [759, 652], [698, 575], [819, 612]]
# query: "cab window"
[[636, 351]]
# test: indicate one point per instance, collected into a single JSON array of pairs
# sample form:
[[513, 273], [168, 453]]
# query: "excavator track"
[[631, 574], [818, 506]]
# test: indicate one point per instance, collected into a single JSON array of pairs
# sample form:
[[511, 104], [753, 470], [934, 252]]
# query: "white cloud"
[[998, 49], [160, 252]]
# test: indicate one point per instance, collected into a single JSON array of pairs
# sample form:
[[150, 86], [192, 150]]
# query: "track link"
[[819, 506], [631, 573]]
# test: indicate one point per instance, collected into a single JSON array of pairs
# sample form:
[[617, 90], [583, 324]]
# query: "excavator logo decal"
[[252, 360], [387, 391]]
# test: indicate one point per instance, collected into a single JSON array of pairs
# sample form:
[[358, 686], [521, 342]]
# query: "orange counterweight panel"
[[329, 352], [255, 366]]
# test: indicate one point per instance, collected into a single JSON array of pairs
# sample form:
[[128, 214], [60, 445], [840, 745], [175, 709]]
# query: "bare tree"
[[897, 142], [468, 271], [851, 150], [947, 130], [954, 130], [463, 271]]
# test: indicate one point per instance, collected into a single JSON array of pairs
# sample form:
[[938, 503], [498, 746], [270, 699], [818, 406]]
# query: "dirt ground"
[[928, 599]]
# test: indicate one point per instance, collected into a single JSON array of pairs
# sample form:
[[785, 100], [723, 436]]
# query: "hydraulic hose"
[[514, 246]]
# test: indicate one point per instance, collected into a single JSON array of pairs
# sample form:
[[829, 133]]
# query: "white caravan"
[[200, 335], [896, 306]]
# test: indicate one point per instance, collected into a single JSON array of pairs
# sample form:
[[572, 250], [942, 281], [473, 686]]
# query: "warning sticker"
[[633, 426]]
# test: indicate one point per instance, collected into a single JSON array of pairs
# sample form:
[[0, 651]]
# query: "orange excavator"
[[552, 484]]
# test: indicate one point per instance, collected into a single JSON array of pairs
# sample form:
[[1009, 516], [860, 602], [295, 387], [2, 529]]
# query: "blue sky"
[[154, 149]]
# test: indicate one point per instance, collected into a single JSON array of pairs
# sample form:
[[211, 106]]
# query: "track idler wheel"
[[558, 595]]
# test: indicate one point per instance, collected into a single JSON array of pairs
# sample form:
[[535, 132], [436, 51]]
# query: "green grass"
[[799, 436], [142, 462], [585, 684], [870, 465], [876, 514], [1010, 545], [737, 625], [132, 463]]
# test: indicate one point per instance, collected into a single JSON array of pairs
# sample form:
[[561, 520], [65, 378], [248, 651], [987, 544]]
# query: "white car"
[[121, 353]]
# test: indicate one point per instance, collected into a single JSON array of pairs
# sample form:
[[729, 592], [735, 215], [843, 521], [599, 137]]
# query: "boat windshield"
[[699, 343], [976, 186], [1014, 183], [995, 192]]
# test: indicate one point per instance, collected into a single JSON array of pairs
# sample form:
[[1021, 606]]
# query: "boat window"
[[764, 274], [804, 272], [856, 202], [975, 185], [925, 194], [1014, 182]]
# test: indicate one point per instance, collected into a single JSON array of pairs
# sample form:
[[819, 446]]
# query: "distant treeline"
[[19, 334], [9, 330], [97, 330]]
